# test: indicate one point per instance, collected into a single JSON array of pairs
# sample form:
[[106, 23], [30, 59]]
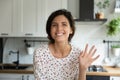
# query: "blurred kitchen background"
[[23, 29], [22, 26]]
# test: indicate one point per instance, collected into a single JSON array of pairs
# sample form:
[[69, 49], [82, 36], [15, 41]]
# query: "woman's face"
[[60, 29]]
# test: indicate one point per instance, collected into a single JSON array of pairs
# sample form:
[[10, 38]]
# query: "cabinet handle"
[[28, 34], [27, 77], [112, 78], [22, 77], [4, 33]]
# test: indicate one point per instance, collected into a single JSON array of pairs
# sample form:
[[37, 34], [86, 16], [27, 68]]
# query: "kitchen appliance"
[[1, 50], [96, 68], [86, 10]]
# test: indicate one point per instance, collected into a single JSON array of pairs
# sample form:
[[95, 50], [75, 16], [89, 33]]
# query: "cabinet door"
[[16, 77], [6, 17], [98, 78], [29, 77], [40, 31], [27, 18], [52, 5], [10, 77], [114, 78], [48, 6], [27, 11]]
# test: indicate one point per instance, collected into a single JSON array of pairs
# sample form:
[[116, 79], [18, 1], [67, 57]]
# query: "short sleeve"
[[37, 64]]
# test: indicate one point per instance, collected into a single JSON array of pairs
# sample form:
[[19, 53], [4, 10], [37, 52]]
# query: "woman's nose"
[[59, 27]]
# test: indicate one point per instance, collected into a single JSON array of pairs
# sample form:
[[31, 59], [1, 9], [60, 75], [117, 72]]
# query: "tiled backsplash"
[[91, 34], [14, 44]]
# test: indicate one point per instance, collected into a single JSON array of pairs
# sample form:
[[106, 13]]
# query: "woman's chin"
[[60, 40]]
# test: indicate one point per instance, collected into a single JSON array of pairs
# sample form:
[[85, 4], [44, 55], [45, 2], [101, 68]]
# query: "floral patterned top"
[[47, 67]]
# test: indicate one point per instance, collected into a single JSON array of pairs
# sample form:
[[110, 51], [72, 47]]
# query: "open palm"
[[86, 57]]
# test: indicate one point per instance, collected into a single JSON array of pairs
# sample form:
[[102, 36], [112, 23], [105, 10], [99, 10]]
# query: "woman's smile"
[[59, 34], [60, 28]]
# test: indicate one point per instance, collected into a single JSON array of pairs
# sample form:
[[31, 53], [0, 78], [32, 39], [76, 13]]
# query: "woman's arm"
[[82, 74], [85, 60], [36, 65]]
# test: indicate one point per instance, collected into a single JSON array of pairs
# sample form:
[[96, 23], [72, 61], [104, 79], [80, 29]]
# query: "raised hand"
[[86, 57]]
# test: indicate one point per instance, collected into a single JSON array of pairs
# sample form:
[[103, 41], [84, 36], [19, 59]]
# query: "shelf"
[[91, 21]]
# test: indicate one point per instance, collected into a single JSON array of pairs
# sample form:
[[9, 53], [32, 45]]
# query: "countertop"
[[28, 70], [17, 71], [111, 71]]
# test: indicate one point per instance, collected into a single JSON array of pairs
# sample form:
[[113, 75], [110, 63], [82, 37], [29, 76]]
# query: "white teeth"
[[59, 34]]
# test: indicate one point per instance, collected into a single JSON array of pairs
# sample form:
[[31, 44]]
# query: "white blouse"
[[47, 67]]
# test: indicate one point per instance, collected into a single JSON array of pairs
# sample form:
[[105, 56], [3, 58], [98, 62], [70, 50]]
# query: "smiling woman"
[[60, 29], [60, 60]]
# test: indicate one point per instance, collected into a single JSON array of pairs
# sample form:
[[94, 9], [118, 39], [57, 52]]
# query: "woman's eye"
[[64, 24], [54, 25]]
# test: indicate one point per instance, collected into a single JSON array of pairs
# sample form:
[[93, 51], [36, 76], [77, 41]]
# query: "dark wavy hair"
[[56, 13]]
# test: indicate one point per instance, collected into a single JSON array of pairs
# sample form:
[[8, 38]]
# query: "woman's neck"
[[61, 49], [61, 45]]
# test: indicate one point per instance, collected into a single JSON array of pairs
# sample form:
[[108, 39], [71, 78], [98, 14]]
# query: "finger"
[[92, 53], [96, 57], [86, 48], [81, 53], [91, 49]]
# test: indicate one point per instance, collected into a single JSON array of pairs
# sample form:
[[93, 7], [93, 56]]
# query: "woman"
[[59, 60]]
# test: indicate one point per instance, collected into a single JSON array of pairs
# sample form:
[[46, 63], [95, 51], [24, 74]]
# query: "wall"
[[15, 44], [91, 33]]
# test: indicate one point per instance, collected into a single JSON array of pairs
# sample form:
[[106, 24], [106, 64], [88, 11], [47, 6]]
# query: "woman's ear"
[[71, 32]]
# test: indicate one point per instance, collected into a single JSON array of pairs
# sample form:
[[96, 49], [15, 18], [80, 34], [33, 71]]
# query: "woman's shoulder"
[[42, 47], [75, 48]]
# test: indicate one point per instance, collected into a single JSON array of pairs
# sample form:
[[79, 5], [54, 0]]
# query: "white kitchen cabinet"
[[10, 77], [17, 77], [48, 7], [52, 5], [26, 18], [6, 17], [18, 18], [114, 78], [33, 14]]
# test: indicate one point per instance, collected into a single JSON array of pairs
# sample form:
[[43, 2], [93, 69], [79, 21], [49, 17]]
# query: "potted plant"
[[113, 27], [101, 5], [115, 50], [30, 49]]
